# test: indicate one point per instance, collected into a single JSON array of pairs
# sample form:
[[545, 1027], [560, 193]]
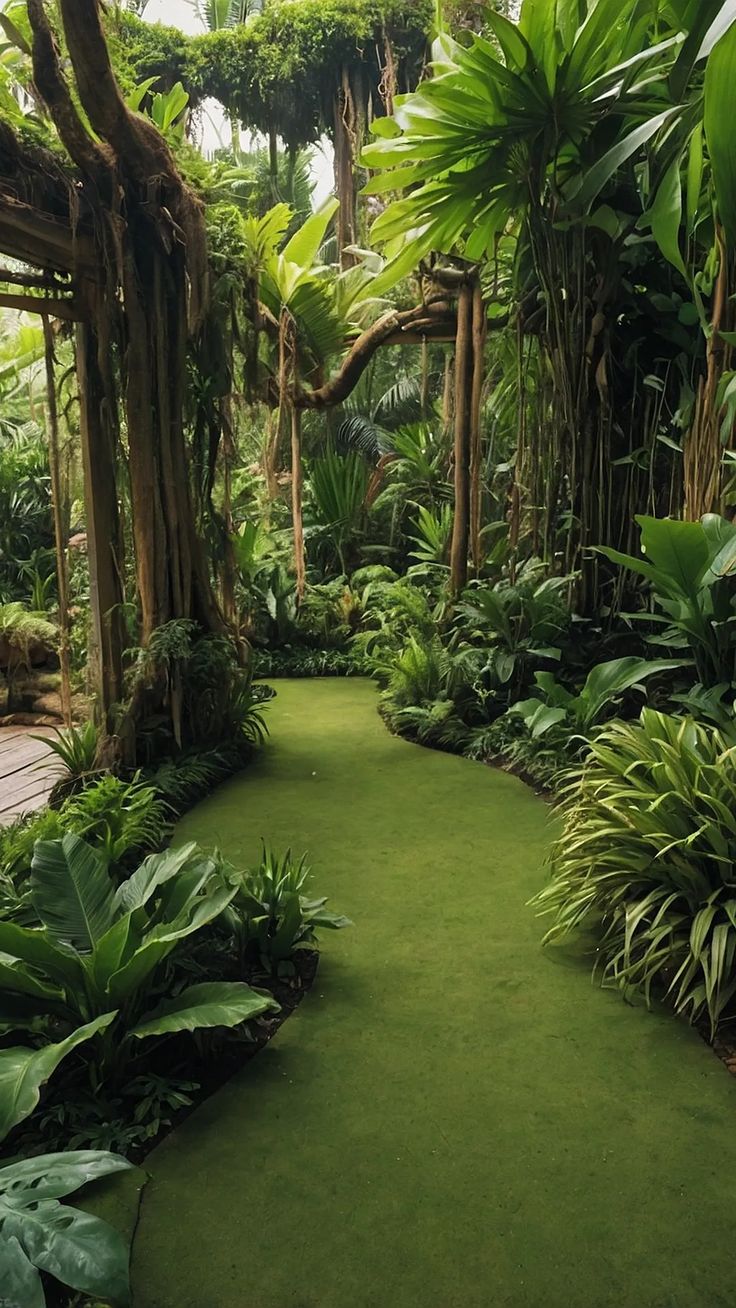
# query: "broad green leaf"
[[720, 78], [72, 891], [24, 1071], [33, 947], [213, 1003], [15, 977], [153, 872], [612, 678], [718, 532], [158, 943], [304, 245], [139, 93], [695, 165], [698, 24], [604, 168], [724, 564], [79, 1249], [719, 28], [665, 216], [20, 1282], [512, 39], [678, 550], [53, 1176]]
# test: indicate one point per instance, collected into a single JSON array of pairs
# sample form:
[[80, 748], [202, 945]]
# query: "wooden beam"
[[439, 335], [39, 281], [48, 306], [42, 240]]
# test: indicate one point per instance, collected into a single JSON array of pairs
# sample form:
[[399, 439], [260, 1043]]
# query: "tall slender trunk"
[[478, 367], [463, 384], [447, 398], [99, 458], [424, 388], [60, 530], [345, 134], [703, 450], [297, 488]]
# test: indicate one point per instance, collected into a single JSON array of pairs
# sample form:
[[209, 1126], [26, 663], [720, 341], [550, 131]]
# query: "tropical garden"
[[367, 535]]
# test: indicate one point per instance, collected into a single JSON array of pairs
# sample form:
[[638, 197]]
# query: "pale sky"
[[179, 12], [183, 14]]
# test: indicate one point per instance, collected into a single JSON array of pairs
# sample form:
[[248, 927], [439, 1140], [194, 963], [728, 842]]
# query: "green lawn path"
[[454, 1118]]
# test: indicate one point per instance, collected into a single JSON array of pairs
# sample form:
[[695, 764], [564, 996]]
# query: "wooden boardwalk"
[[27, 771]]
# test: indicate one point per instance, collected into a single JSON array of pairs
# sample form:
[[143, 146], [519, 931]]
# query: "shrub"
[[117, 816], [99, 963], [296, 661], [76, 747], [272, 916], [647, 858]]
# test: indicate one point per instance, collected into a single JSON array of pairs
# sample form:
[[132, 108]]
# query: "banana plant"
[[100, 953], [317, 312]]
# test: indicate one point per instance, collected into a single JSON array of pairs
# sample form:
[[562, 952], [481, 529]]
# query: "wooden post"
[[60, 533], [463, 362]]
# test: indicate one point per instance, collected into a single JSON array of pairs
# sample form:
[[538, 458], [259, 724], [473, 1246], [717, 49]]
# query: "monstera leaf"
[[38, 1234]]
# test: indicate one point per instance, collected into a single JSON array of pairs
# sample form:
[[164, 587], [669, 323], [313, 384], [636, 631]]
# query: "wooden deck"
[[27, 771]]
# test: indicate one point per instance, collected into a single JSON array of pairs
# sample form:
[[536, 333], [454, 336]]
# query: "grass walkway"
[[454, 1117]]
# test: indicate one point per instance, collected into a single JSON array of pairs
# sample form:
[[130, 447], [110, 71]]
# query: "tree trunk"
[[478, 367], [60, 530], [703, 450], [463, 385], [296, 500], [447, 390], [346, 136], [99, 458]]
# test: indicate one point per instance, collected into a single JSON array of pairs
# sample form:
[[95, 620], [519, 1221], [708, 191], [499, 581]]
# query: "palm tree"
[[314, 312], [528, 130], [216, 14]]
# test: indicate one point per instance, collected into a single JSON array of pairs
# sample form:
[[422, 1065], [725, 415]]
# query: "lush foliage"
[[39, 1234], [272, 916], [646, 860]]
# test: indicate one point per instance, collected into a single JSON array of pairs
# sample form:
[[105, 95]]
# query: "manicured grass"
[[454, 1118]]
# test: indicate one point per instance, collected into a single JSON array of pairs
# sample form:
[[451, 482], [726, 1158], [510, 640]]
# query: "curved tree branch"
[[397, 327], [92, 158], [385, 329]]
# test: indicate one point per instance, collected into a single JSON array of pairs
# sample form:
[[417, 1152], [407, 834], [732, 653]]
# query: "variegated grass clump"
[[646, 858]]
